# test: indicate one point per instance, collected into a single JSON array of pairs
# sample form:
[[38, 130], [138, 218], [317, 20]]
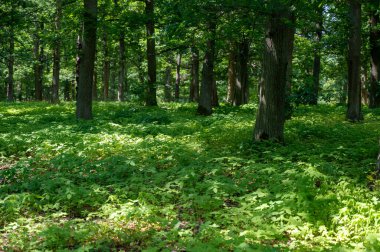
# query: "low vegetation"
[[164, 179]]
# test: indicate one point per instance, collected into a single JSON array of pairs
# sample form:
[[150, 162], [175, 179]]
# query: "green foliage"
[[164, 179]]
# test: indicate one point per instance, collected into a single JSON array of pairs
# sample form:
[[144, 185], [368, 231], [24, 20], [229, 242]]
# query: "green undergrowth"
[[165, 179]]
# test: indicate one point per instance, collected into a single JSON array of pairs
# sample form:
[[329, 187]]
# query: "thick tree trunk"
[[194, 86], [177, 77], [214, 94], [374, 95], [168, 85], [279, 38], [38, 66], [238, 89], [241, 94], [151, 99], [121, 80], [84, 101], [57, 52], [106, 67], [317, 58], [10, 64], [354, 112], [206, 95]]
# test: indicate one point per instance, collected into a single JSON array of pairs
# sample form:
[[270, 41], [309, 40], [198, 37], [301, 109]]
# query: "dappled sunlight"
[[137, 178]]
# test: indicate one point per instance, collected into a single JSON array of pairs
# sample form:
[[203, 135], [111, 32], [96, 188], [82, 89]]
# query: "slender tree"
[[151, 99], [354, 112], [38, 65], [279, 39], [56, 52], [10, 63], [106, 66], [178, 76], [122, 69], [87, 59], [374, 94], [317, 56], [194, 85]]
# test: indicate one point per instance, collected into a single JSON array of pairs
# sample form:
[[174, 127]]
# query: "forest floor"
[[165, 179]]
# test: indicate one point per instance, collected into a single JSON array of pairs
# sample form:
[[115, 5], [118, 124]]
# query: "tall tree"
[[279, 39], [10, 63], [38, 57], [317, 55], [238, 88], [178, 76], [206, 93], [354, 112], [374, 40], [87, 59], [151, 99], [56, 52], [194, 85], [106, 66]]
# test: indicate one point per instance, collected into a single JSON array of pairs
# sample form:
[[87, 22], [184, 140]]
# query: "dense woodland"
[[188, 125]]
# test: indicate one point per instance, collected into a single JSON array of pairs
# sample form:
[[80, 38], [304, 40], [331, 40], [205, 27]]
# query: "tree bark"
[[106, 67], [178, 77], [317, 58], [232, 61], [74, 91], [194, 86], [86, 69], [354, 112], [38, 65], [151, 99], [168, 85], [241, 94], [95, 85], [57, 52], [374, 95], [206, 95], [11, 61], [121, 80], [279, 39]]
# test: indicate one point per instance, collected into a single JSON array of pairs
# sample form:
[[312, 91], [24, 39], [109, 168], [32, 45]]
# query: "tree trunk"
[[232, 61], [206, 94], [168, 85], [317, 58], [151, 99], [194, 86], [11, 61], [106, 67], [214, 94], [279, 39], [56, 52], [121, 80], [178, 77], [74, 91], [354, 112], [38, 65], [241, 94], [374, 95], [84, 102], [95, 85], [364, 83]]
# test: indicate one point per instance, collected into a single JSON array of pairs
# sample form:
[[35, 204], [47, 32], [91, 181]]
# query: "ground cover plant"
[[165, 179]]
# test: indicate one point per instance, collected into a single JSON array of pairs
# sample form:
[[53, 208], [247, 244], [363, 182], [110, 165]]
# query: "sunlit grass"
[[166, 179]]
